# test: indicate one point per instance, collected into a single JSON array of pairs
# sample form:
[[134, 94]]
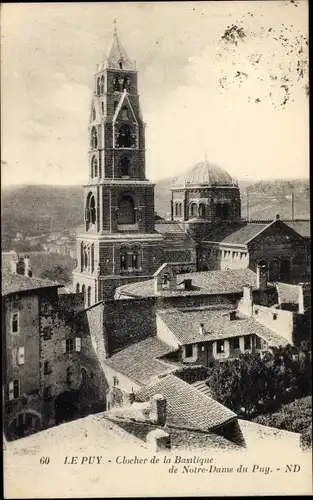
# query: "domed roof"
[[206, 174]]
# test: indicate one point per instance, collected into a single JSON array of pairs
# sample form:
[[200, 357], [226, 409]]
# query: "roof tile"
[[186, 406]]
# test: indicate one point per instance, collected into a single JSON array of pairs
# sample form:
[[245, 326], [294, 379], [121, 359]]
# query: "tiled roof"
[[13, 283], [301, 227], [185, 324], [169, 227], [139, 361], [206, 282], [201, 385], [288, 294], [173, 232], [238, 235], [186, 406]]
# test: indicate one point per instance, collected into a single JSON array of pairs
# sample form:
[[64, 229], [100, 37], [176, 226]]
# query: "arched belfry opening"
[[94, 138], [126, 136], [126, 210], [90, 210]]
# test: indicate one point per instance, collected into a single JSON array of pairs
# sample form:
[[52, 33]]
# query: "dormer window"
[[120, 63]]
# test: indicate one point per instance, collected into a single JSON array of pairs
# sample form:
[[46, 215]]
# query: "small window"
[[21, 356], [236, 343], [47, 392], [115, 381], [14, 322], [188, 351], [69, 345], [258, 342], [256, 312], [47, 332], [220, 346], [102, 108], [46, 368], [69, 375], [247, 342], [274, 316], [14, 389]]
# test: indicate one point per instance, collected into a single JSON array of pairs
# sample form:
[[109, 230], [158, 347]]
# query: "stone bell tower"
[[119, 238]]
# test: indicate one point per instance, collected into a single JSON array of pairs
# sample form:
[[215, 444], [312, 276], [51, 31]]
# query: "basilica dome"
[[205, 174]]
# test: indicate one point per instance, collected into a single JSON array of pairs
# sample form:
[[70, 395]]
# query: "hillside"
[[266, 198], [35, 210]]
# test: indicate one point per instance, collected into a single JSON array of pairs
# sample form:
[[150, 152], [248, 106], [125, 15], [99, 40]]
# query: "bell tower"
[[119, 238]]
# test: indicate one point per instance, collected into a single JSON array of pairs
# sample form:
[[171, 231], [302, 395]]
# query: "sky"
[[200, 96]]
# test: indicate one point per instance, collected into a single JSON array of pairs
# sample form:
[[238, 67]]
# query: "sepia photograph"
[[156, 249]]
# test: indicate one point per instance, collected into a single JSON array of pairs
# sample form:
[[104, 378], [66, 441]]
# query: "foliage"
[[293, 417], [56, 273], [254, 384], [52, 266]]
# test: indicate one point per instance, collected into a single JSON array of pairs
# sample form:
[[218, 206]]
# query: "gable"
[[124, 106], [277, 233]]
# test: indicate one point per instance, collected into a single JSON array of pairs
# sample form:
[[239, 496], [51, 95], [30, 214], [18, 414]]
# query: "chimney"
[[28, 271], [261, 277], [232, 315], [158, 409], [201, 329], [158, 440], [188, 284], [304, 297], [14, 265]]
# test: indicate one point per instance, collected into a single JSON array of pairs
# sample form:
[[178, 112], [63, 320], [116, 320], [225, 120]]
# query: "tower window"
[[124, 137], [218, 210], [124, 167], [93, 113], [94, 138], [225, 210], [102, 107], [77, 288], [102, 85], [123, 261], [120, 63], [116, 85], [90, 210], [126, 210], [201, 210], [89, 296], [193, 210], [94, 167], [124, 113], [92, 258], [176, 209], [98, 86]]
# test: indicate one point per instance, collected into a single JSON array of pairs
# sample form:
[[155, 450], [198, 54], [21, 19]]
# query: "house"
[[42, 372]]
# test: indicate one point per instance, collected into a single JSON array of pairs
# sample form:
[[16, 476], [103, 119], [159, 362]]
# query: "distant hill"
[[266, 198], [34, 210]]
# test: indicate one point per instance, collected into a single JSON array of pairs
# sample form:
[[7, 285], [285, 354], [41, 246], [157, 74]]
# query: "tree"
[[254, 384], [56, 273]]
